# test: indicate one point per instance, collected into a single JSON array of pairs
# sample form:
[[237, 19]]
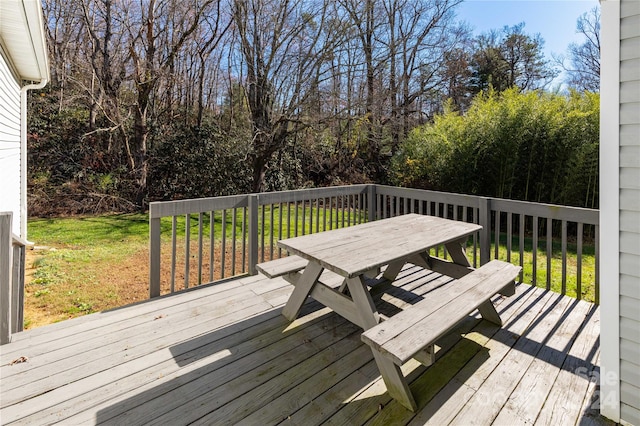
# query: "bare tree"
[[64, 30], [583, 69], [427, 35], [400, 45], [158, 30], [284, 47]]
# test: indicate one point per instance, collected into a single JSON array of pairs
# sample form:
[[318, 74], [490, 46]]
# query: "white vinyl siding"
[[10, 144], [630, 211]]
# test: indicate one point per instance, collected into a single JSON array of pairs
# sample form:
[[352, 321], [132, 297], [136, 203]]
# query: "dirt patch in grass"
[[102, 284], [106, 286]]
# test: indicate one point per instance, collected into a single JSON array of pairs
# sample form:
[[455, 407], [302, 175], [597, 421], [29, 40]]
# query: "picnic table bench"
[[291, 267], [413, 332]]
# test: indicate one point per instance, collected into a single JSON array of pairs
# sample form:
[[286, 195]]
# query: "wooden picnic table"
[[354, 251]]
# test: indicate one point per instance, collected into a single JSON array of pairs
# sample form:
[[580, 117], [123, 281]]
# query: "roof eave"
[[20, 21]]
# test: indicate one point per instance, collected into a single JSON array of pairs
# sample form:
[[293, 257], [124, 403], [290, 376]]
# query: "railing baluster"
[[324, 214], [280, 228], [597, 265], [564, 257], [288, 220], [549, 250], [233, 241], [187, 253], [330, 213], [497, 235], [212, 227], [262, 232], [579, 261], [223, 252], [200, 231], [174, 226], [244, 240], [346, 220], [521, 242], [534, 250], [509, 235], [475, 214], [271, 231], [304, 217], [295, 218]]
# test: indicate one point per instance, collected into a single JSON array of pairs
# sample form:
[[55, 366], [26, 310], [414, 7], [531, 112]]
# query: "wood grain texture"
[[376, 243], [282, 266], [186, 358], [422, 323]]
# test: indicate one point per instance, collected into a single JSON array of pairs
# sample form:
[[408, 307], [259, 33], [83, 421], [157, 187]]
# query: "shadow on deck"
[[223, 354]]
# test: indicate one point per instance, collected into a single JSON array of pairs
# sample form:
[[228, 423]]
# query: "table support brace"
[[302, 290]]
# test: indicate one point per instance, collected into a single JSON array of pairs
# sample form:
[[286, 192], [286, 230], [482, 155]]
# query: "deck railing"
[[193, 242], [12, 266]]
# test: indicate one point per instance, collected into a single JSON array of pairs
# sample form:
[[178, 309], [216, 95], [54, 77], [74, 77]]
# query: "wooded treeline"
[[534, 146], [166, 99]]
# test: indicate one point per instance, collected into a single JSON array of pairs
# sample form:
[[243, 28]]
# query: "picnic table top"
[[355, 250]]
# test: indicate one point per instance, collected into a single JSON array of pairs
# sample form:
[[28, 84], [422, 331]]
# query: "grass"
[[101, 262], [587, 288], [89, 264]]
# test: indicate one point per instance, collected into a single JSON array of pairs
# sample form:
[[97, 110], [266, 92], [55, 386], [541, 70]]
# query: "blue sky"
[[555, 20]]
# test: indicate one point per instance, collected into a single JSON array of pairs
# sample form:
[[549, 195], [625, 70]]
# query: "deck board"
[[223, 354]]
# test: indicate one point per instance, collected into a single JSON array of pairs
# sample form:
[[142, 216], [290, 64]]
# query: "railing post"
[[253, 233], [6, 254], [154, 255], [484, 219], [371, 202], [17, 286]]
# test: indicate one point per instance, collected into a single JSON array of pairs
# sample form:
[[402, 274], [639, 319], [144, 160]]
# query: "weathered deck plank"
[[472, 355], [485, 405], [575, 377], [224, 354]]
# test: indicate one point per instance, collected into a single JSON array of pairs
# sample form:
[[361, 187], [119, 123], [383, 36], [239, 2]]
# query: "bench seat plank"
[[282, 266], [414, 330], [432, 301], [423, 323]]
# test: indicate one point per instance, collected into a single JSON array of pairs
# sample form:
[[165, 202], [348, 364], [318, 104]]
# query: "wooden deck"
[[223, 354]]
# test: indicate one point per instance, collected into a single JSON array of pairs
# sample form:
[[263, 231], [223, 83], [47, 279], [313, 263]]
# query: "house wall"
[[629, 208], [9, 143]]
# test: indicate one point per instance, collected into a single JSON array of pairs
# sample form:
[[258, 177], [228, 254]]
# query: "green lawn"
[[100, 262]]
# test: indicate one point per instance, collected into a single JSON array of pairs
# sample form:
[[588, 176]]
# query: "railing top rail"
[[551, 211], [199, 205], [310, 193], [426, 195], [160, 209]]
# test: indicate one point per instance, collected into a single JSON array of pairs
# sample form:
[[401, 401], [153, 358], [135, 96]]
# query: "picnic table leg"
[[301, 290], [363, 302], [457, 252], [393, 269], [488, 312], [395, 382], [391, 373], [422, 260]]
